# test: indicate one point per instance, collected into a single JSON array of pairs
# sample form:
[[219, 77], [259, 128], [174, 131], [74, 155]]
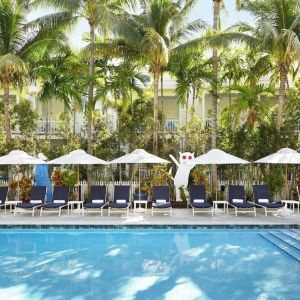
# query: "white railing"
[[50, 127]]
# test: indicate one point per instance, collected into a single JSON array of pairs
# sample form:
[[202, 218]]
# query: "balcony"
[[49, 127], [170, 125]]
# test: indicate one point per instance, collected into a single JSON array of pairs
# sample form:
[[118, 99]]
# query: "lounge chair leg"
[[101, 212], [33, 212], [266, 213], [109, 211], [15, 211], [41, 212], [59, 211], [235, 211]]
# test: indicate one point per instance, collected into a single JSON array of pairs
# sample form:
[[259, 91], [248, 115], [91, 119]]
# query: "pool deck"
[[180, 217]]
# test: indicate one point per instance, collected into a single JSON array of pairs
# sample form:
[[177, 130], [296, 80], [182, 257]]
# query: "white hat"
[[42, 156]]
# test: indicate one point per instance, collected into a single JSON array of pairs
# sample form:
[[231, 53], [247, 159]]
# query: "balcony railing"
[[49, 127], [170, 125]]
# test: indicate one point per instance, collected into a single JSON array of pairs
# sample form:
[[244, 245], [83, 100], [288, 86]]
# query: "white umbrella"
[[77, 157], [18, 157], [284, 156], [218, 157], [139, 156]]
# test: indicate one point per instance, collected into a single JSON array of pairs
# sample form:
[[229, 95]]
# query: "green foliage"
[[24, 118], [70, 178], [200, 177], [274, 178], [196, 135]]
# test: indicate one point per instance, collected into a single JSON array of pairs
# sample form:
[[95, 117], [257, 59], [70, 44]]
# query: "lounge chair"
[[262, 199], [37, 197], [236, 199], [197, 199], [3, 196], [59, 200], [121, 199], [161, 199], [97, 200]]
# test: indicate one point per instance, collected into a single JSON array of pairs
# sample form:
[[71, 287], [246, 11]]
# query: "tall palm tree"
[[214, 91], [277, 36], [60, 77], [150, 37], [19, 41], [101, 15]]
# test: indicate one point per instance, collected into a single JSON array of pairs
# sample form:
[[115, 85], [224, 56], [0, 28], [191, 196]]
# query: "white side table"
[[11, 204], [293, 203], [71, 205], [140, 202], [224, 203]]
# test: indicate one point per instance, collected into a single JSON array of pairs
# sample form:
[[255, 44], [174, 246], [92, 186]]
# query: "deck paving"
[[180, 217]]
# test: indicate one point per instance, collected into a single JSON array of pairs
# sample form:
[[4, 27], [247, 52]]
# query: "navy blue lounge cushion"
[[93, 205], [271, 204], [201, 204], [53, 205], [244, 204], [28, 205], [118, 205], [161, 205]]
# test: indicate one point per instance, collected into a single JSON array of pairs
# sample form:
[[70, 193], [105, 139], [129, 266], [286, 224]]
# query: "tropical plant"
[[150, 37], [19, 42]]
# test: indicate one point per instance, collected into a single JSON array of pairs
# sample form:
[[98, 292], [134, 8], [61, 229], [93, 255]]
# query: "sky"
[[203, 10]]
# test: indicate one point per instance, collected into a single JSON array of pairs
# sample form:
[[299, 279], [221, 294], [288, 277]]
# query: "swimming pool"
[[81, 264]]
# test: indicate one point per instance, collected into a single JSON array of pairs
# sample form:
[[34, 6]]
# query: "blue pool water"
[[81, 264]]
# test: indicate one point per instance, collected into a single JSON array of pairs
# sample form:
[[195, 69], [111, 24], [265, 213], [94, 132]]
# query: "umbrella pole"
[[139, 182], [78, 183], [286, 182]]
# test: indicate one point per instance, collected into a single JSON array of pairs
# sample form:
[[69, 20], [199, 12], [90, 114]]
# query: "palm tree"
[[151, 36], [101, 15], [19, 41], [250, 105], [276, 33], [60, 77]]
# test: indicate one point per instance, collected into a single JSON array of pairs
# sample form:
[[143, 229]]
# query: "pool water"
[[81, 264]]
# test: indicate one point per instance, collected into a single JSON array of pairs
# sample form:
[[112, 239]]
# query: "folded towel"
[[59, 201], [100, 201], [161, 201], [198, 201], [36, 201], [263, 201], [237, 200], [121, 201]]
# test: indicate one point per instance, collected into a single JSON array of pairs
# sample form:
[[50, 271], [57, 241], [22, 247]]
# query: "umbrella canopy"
[[77, 157], [139, 156], [18, 157], [283, 156], [218, 157]]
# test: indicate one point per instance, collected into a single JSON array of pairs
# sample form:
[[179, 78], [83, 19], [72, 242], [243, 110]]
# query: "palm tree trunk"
[[281, 98], [89, 128], [214, 111], [162, 110], [7, 128], [155, 113]]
